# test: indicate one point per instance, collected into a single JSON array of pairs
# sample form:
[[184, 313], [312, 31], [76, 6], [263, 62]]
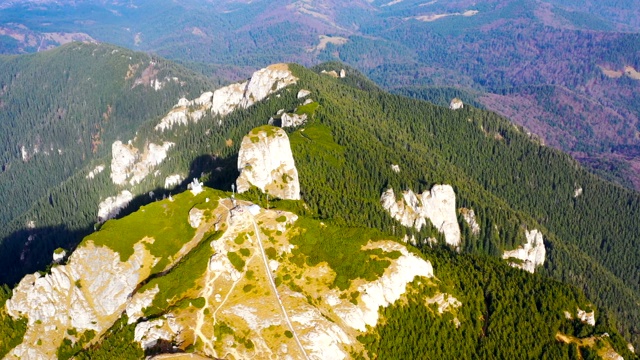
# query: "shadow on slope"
[[31, 249]]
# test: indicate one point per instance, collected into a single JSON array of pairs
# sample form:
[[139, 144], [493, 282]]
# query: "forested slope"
[[344, 155]]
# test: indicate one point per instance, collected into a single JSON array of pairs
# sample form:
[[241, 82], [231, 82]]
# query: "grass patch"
[[236, 260], [239, 239], [245, 252], [308, 109], [341, 249], [198, 303], [181, 278], [156, 220]]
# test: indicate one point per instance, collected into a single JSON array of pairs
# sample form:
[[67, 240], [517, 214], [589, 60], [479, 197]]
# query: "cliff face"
[[438, 205], [246, 281], [223, 101], [265, 161], [531, 254]]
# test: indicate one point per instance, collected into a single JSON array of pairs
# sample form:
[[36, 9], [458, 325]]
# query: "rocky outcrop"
[[186, 111], [470, 217], [587, 317], [303, 93], [292, 120], [97, 170], [129, 165], [265, 161], [82, 295], [111, 206], [530, 255], [172, 180], [395, 168], [456, 104], [438, 205], [223, 101]]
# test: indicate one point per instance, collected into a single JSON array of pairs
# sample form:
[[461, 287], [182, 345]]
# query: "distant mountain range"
[[567, 71]]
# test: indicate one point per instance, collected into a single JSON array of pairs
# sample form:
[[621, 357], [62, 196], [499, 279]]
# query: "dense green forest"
[[344, 158]]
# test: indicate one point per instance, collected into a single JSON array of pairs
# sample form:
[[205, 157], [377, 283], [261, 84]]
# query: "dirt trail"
[[275, 290]]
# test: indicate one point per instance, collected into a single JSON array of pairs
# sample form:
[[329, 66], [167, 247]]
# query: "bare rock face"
[[587, 317], [531, 254], [265, 161], [89, 293], [223, 101], [470, 217], [456, 104], [438, 205], [111, 206], [292, 120], [130, 165]]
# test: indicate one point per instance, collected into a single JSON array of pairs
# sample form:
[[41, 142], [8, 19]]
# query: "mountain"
[[473, 192], [566, 71]]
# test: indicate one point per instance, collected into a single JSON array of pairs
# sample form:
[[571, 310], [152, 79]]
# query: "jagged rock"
[[89, 293], [395, 168], [97, 170], [148, 333], [331, 73], [470, 217], [172, 180], [128, 164], [195, 217], [292, 120], [343, 74], [384, 291], [307, 102], [587, 317], [445, 302], [577, 192], [456, 104], [111, 206], [59, 254], [531, 254], [222, 101], [227, 99], [438, 205], [139, 302], [303, 93], [265, 161], [195, 186]]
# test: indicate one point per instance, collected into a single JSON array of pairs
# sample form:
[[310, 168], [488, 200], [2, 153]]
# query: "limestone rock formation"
[[222, 101], [456, 104], [470, 217], [587, 317], [531, 254], [111, 206], [438, 205], [265, 161], [129, 165], [292, 120], [303, 93], [172, 180], [82, 295]]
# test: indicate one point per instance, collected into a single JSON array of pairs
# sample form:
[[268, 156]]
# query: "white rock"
[[445, 302], [303, 93], [58, 255], [307, 102], [291, 120], [266, 81], [122, 158], [395, 168], [111, 206], [139, 302], [149, 332], [265, 161], [587, 317], [195, 217], [438, 205], [470, 217], [384, 291], [172, 180], [89, 293], [343, 73], [227, 99], [532, 253], [456, 104], [577, 192], [97, 170], [128, 163], [195, 186]]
